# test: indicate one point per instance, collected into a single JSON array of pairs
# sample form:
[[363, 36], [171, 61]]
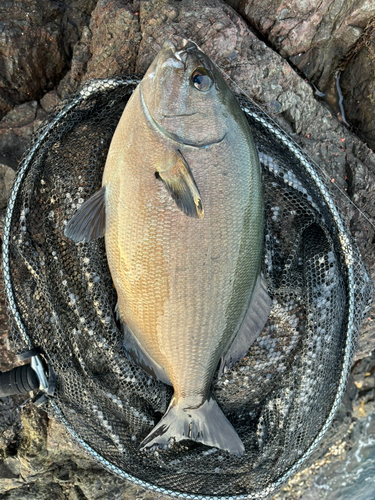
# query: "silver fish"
[[181, 209]]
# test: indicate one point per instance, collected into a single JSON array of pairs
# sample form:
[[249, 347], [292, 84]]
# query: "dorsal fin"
[[88, 223], [180, 183]]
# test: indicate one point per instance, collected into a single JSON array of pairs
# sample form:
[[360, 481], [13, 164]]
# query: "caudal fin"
[[206, 424]]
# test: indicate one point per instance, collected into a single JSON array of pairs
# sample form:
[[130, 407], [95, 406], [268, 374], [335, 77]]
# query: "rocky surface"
[[315, 36], [48, 464], [323, 39], [16, 130], [122, 36], [36, 39], [358, 85]]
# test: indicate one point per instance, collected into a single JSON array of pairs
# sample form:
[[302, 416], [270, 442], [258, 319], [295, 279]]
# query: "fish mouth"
[[174, 137], [188, 46]]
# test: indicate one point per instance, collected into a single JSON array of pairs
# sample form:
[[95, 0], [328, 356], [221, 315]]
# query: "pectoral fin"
[[180, 183], [88, 223], [252, 325]]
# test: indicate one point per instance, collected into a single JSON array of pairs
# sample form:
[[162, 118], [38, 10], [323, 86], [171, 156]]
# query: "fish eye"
[[201, 79]]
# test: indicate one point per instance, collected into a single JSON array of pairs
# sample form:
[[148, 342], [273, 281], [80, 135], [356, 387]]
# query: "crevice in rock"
[[363, 41], [349, 179], [79, 493], [12, 448]]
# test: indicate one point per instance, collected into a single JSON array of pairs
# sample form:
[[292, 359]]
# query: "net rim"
[[89, 90]]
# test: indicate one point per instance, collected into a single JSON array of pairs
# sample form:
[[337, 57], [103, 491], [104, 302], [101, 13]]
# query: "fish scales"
[[174, 274], [183, 231]]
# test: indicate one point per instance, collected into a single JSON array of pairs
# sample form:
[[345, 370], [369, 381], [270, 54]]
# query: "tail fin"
[[206, 424]]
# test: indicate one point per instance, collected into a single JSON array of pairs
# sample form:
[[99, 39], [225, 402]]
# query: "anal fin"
[[252, 325], [141, 357], [88, 223]]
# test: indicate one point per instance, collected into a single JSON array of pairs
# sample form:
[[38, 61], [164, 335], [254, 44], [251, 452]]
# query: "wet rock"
[[36, 40], [350, 474]]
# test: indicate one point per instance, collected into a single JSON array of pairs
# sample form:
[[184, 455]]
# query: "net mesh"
[[280, 398]]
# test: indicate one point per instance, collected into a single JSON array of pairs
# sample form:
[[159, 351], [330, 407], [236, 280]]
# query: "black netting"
[[280, 398]]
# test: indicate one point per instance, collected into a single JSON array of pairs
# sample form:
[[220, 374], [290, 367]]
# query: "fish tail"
[[206, 424]]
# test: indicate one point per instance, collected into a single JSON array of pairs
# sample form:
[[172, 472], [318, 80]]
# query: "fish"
[[181, 210]]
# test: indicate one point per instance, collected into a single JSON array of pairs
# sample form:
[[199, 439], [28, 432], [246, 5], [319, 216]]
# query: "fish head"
[[185, 97]]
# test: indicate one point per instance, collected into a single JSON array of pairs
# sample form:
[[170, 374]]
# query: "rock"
[[16, 130], [367, 384], [29, 24], [358, 86], [19, 116], [321, 40], [116, 36], [48, 462], [364, 367], [315, 36], [41, 115], [81, 55], [109, 47], [10, 426], [61, 447], [7, 175], [49, 101], [36, 41]]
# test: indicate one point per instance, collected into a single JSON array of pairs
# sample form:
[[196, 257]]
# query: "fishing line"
[[324, 173]]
